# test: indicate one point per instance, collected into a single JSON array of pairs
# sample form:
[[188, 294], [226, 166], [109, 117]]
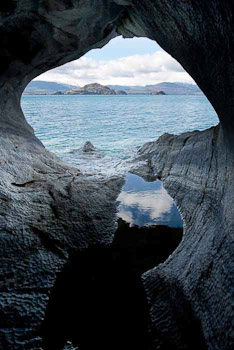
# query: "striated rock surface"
[[49, 209], [190, 291]]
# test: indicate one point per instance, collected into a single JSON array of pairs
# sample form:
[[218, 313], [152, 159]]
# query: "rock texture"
[[49, 209], [196, 169]]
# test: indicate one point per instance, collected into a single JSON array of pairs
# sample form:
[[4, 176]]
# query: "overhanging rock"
[[47, 207]]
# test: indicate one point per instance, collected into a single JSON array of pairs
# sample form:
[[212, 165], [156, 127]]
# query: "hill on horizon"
[[176, 88], [168, 88], [37, 87]]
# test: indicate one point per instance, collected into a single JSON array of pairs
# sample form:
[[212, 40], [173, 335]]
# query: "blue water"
[[117, 126]]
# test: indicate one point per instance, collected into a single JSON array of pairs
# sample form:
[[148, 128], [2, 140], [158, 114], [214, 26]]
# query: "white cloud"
[[126, 216], [156, 203], [132, 70]]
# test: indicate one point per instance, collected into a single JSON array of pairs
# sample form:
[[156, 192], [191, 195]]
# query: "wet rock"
[[89, 147]]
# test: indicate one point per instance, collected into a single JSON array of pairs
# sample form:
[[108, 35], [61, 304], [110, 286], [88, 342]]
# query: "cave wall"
[[47, 207], [191, 292]]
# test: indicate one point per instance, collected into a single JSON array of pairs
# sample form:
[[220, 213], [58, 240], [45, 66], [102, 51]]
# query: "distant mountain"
[[168, 88], [38, 87], [95, 89], [175, 88], [47, 87], [126, 87]]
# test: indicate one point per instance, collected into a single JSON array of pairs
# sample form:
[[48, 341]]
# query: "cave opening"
[[117, 125], [45, 35], [104, 283]]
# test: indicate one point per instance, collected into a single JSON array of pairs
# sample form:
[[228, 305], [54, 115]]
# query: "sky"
[[137, 61]]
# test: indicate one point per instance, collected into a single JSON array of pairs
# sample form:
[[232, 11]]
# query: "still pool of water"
[[147, 203]]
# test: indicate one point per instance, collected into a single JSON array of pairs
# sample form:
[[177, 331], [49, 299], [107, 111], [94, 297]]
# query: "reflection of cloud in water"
[[156, 203], [147, 203], [126, 216]]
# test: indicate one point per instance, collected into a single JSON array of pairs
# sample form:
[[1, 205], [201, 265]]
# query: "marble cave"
[[55, 223]]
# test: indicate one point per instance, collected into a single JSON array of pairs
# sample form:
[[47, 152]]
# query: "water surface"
[[147, 203], [116, 125]]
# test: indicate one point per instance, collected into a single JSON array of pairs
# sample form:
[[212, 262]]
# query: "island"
[[95, 89], [158, 93]]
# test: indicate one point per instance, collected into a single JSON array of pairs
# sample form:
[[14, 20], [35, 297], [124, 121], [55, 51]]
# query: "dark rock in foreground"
[[100, 291], [50, 211], [148, 246]]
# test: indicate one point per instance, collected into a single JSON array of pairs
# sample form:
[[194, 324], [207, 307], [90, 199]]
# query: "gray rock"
[[38, 194], [196, 170], [88, 147], [49, 209]]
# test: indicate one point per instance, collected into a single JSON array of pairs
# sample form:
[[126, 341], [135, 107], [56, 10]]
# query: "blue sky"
[[120, 47], [137, 61]]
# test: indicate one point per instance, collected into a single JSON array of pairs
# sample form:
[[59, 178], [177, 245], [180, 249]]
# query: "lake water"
[[117, 126], [147, 203]]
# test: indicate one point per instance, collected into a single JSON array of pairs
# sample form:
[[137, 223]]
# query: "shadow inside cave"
[[98, 300]]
